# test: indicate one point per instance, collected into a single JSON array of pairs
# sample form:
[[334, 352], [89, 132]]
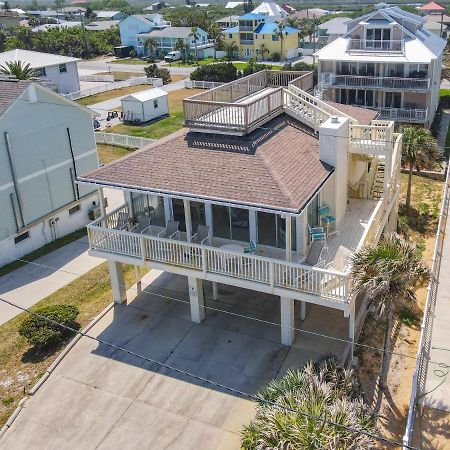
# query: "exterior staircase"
[[378, 182]]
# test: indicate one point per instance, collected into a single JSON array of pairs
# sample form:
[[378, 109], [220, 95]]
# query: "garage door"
[[292, 53]]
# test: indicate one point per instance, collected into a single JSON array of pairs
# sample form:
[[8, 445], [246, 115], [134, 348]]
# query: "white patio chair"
[[171, 231], [201, 236]]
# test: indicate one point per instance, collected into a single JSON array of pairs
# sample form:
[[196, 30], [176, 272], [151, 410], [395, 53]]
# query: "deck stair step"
[[378, 182]]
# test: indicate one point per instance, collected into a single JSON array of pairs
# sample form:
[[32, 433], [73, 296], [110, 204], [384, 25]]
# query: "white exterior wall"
[[145, 111], [66, 82], [41, 232]]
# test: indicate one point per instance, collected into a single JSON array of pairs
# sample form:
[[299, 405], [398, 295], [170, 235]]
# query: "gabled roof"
[[271, 9], [432, 6], [35, 59], [10, 91], [232, 18], [277, 167], [149, 94]]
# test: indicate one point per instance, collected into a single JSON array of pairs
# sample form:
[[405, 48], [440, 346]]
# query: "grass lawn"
[[164, 126], [203, 62], [43, 251], [108, 153], [136, 61], [20, 365], [444, 92], [112, 94]]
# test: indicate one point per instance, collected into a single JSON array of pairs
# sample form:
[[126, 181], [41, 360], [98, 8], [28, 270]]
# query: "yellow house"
[[256, 36]]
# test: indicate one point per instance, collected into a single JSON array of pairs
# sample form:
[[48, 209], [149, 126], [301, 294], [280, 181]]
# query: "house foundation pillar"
[[196, 299], [287, 320], [302, 310], [117, 282], [137, 270], [351, 320], [215, 288]]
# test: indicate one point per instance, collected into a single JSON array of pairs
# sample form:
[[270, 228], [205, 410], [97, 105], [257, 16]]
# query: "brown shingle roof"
[[363, 115], [277, 167], [10, 90]]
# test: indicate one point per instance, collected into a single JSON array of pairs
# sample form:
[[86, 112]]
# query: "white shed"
[[144, 106]]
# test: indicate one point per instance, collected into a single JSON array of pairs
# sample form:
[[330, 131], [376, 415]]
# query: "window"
[[21, 237], [230, 36], [41, 72], [62, 68], [155, 103], [74, 209], [275, 37]]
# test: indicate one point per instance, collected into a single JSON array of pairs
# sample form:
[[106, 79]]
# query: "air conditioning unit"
[[94, 212]]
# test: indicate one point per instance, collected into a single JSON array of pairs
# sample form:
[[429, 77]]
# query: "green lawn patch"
[[444, 92], [109, 153], [43, 251], [135, 61]]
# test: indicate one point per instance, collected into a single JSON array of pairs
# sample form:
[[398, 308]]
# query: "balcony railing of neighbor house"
[[371, 82], [407, 114], [109, 235], [372, 46]]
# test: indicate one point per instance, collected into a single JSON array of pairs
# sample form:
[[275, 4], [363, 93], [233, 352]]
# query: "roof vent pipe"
[[334, 119]]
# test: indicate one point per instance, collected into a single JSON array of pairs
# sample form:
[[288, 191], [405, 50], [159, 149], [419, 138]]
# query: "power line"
[[208, 381], [243, 316]]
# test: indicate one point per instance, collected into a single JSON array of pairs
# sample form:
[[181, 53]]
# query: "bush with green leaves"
[[223, 72], [153, 71], [288, 412], [254, 67], [300, 65], [43, 333], [276, 57]]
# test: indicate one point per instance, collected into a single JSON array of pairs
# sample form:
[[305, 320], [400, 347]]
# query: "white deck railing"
[[376, 46], [108, 235], [372, 139], [121, 140]]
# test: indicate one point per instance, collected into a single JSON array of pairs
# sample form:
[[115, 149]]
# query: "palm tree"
[[388, 273], [420, 150], [58, 5], [182, 47], [319, 390], [216, 35], [230, 49], [18, 69], [263, 50], [195, 35], [281, 33], [151, 45]]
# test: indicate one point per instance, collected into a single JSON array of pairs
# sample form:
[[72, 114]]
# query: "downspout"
[[13, 175], [73, 163]]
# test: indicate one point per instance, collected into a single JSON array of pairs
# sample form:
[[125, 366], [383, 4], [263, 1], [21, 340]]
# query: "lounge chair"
[[171, 231], [201, 236]]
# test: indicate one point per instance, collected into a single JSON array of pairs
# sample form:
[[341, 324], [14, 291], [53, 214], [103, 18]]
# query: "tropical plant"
[[253, 67], [18, 69], [182, 47], [153, 71], [281, 33], [230, 50], [216, 35], [151, 45], [420, 150], [388, 273], [2, 41], [299, 411], [195, 35], [221, 72]]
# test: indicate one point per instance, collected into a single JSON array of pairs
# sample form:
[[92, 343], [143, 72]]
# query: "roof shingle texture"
[[364, 116], [9, 91], [277, 167]]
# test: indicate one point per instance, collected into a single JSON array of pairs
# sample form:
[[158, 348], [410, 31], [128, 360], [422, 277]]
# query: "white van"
[[172, 56]]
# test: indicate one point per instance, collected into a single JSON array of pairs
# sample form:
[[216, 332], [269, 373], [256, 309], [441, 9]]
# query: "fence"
[[121, 140], [112, 86], [97, 78], [192, 84], [418, 381]]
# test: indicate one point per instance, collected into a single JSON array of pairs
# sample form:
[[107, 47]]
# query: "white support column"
[[252, 225], [137, 270], [351, 320], [167, 208], [302, 310], [117, 282], [101, 201], [288, 238], [287, 320], [188, 219], [209, 218], [215, 288], [302, 236], [129, 201], [196, 299]]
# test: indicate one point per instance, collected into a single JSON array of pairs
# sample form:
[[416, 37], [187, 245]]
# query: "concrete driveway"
[[104, 399]]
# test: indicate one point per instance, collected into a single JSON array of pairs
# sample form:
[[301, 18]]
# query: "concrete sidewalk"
[[31, 283]]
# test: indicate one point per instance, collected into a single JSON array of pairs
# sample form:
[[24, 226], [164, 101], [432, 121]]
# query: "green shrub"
[[223, 72], [153, 71], [254, 67], [42, 333], [276, 57]]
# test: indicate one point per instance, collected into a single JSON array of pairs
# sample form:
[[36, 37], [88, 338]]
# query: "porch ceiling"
[[275, 167]]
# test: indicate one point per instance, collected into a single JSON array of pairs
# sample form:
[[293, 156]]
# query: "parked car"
[[172, 56]]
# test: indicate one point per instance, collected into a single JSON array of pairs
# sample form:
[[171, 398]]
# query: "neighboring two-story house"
[[386, 61], [258, 36], [60, 71], [45, 142], [134, 30], [268, 188]]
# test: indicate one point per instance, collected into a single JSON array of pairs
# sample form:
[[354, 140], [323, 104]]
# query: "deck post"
[[351, 320], [196, 299], [302, 310], [167, 208], [137, 270], [252, 224], [302, 237], [101, 201], [117, 282], [287, 320], [215, 288], [288, 238], [188, 219], [209, 219]]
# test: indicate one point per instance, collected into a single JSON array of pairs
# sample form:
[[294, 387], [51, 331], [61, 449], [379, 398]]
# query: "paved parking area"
[[101, 398]]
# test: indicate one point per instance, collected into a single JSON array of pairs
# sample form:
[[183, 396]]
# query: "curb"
[[52, 367]]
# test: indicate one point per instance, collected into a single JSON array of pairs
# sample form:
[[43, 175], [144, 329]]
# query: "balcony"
[[411, 114], [375, 46], [246, 42], [242, 105], [372, 82]]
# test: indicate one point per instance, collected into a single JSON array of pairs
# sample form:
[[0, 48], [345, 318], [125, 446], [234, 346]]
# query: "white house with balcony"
[[267, 188], [388, 61]]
